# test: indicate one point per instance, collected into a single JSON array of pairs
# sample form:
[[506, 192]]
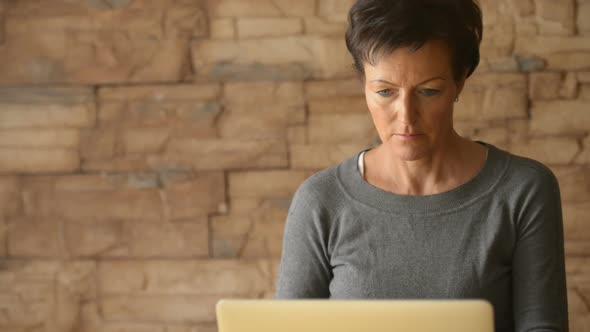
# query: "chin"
[[408, 151]]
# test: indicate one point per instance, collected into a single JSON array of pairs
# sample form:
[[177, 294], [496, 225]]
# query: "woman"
[[427, 213]]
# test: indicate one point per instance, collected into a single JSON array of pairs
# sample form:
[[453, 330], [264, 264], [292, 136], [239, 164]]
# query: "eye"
[[385, 93], [429, 92]]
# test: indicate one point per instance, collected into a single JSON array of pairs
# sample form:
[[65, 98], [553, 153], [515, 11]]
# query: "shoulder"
[[528, 181], [526, 171], [323, 189]]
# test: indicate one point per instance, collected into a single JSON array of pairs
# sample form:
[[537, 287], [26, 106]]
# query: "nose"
[[405, 108]]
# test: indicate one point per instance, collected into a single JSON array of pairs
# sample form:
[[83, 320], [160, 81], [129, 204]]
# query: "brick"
[[264, 183], [334, 88], [197, 115], [499, 39], [32, 160], [578, 271], [160, 308], [35, 237], [108, 238], [145, 140], [3, 238], [264, 123], [208, 154], [338, 105], [334, 10], [583, 77], [569, 86], [97, 144], [10, 197], [574, 183], [488, 103], [498, 136], [185, 277], [583, 12], [260, 8], [556, 17], [319, 26], [254, 234], [579, 322], [297, 135], [302, 56], [505, 103], [577, 247], [222, 28], [187, 238], [319, 156], [544, 85], [14, 115], [261, 110], [584, 157], [575, 221], [148, 45], [268, 27], [576, 302], [103, 182], [560, 117], [45, 293], [198, 196], [545, 45], [523, 7], [570, 61], [39, 138], [124, 204], [131, 163], [341, 128], [257, 93], [548, 150], [93, 238], [501, 80], [161, 93]]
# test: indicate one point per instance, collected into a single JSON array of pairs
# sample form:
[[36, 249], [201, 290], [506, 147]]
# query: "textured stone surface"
[[184, 277], [264, 183], [304, 57], [69, 43], [268, 27], [45, 293], [222, 154], [548, 150], [255, 233], [554, 117], [318, 156], [149, 150]]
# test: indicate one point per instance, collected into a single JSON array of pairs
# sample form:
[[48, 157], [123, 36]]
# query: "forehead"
[[432, 59]]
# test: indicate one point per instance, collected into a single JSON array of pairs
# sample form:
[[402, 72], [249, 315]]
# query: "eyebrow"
[[428, 80]]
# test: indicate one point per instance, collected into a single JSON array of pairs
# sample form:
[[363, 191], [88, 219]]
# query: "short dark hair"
[[377, 27]]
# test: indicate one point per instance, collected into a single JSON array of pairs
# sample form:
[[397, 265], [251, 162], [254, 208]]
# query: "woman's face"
[[410, 95]]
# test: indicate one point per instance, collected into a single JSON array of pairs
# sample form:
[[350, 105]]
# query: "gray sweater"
[[497, 237]]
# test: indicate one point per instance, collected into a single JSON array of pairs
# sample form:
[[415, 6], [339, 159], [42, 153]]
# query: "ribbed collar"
[[482, 184]]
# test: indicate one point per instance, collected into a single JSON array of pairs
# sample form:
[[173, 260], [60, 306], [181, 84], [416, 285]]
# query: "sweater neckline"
[[357, 188]]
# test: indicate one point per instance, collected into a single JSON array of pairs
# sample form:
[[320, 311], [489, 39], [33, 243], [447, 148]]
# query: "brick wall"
[[149, 148]]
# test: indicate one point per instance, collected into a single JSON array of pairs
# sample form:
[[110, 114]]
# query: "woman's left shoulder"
[[529, 172]]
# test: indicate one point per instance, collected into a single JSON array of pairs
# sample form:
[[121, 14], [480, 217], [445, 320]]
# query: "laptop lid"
[[354, 316]]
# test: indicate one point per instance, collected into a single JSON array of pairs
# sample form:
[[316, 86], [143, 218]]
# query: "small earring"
[[457, 99]]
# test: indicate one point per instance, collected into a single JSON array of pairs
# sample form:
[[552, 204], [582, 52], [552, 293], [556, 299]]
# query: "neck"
[[453, 163]]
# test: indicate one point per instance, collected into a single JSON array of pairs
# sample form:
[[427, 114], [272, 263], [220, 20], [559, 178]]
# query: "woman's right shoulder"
[[323, 189]]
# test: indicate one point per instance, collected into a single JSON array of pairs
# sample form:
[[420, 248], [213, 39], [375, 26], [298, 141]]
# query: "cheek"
[[439, 113], [381, 117]]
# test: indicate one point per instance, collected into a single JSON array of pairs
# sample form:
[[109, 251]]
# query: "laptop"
[[354, 316]]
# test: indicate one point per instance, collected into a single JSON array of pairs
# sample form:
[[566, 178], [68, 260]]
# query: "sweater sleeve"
[[305, 270], [539, 284]]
